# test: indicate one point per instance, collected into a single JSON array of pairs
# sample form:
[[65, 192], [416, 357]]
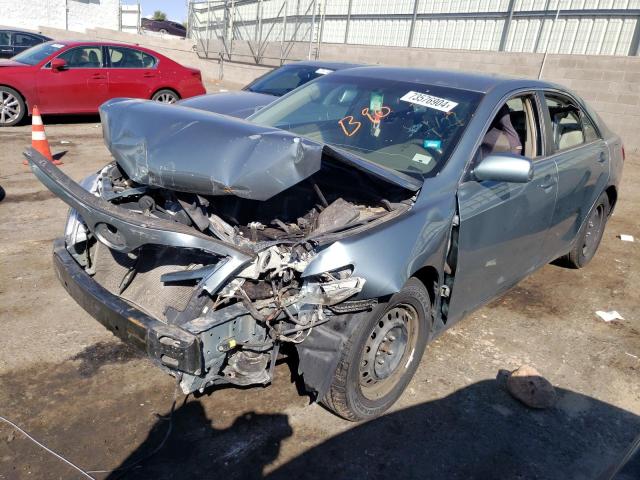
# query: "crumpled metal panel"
[[187, 150]]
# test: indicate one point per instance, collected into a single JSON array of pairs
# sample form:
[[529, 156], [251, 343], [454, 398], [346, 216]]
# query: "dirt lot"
[[66, 380]]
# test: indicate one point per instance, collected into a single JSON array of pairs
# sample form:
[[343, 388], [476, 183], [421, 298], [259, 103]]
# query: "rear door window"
[[570, 126], [120, 57]]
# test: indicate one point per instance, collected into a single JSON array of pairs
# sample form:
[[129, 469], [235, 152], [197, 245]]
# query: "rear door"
[[503, 225], [80, 88], [132, 72], [6, 49], [582, 158]]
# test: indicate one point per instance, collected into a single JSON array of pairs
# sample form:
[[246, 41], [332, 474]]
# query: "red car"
[[77, 77]]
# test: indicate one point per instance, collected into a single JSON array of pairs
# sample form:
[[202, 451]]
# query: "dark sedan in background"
[[164, 27], [13, 42], [265, 89]]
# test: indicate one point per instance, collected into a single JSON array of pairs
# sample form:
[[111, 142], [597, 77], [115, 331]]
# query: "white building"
[[76, 15]]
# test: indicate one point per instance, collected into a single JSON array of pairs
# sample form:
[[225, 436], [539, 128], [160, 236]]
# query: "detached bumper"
[[165, 344]]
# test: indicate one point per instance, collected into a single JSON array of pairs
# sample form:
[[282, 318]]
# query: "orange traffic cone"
[[39, 140]]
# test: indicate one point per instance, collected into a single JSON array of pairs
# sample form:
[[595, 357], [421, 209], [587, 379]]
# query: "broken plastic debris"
[[64, 142], [609, 316], [626, 238]]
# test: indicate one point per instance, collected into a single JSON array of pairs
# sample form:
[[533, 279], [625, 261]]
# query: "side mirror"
[[505, 167], [58, 64]]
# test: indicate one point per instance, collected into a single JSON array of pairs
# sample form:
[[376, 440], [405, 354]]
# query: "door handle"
[[149, 75], [98, 76], [602, 157], [547, 182]]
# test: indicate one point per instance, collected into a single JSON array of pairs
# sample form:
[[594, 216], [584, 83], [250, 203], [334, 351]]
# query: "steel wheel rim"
[[166, 97], [9, 107], [594, 229], [388, 350]]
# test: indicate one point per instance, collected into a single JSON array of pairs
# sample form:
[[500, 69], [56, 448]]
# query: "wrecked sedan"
[[349, 222]]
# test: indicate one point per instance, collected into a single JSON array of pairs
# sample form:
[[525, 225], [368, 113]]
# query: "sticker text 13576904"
[[429, 101]]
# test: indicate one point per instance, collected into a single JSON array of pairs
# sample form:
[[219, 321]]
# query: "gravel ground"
[[70, 383]]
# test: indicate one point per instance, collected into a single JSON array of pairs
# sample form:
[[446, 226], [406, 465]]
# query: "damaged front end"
[[210, 281]]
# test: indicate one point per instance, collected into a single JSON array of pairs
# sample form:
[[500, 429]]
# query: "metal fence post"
[[346, 30], [634, 48], [311, 30], [507, 27], [413, 23], [206, 52], [284, 31]]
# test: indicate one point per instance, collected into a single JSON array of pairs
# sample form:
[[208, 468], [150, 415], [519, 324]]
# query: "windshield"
[[409, 127], [285, 79], [36, 54]]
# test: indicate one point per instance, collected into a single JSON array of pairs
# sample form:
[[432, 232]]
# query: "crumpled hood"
[[189, 150]]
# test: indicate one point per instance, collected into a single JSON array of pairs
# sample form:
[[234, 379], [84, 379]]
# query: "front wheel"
[[12, 107], [381, 356], [590, 235], [165, 96]]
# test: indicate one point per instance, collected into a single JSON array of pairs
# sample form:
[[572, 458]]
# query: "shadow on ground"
[[478, 432]]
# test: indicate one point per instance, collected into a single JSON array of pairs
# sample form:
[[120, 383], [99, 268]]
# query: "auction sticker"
[[429, 101], [323, 71]]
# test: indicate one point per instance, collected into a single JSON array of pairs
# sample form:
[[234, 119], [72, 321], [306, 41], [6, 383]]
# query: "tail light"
[[197, 74]]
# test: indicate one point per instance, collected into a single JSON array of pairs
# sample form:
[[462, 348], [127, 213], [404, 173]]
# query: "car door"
[[6, 49], [132, 72], [503, 225], [79, 88], [582, 158]]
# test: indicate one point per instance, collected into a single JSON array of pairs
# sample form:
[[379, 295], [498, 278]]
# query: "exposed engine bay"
[[243, 322]]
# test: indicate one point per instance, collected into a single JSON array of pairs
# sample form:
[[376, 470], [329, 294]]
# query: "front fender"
[[388, 254]]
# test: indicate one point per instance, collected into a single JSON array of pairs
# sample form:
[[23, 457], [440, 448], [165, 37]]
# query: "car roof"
[[477, 82], [14, 30], [328, 65], [78, 43]]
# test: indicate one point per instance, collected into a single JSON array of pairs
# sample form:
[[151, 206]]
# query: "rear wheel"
[[590, 235], [12, 107], [165, 96], [381, 356]]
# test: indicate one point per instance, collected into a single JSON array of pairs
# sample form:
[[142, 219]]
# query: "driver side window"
[[515, 129], [83, 57]]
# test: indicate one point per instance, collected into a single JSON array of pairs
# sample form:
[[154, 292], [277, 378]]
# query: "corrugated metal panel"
[[608, 34]]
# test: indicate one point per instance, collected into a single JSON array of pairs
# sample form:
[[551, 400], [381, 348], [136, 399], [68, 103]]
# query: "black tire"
[[589, 236], [349, 395], [165, 95], [12, 107]]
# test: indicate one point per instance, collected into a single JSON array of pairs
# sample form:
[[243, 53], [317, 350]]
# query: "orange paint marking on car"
[[350, 122]]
